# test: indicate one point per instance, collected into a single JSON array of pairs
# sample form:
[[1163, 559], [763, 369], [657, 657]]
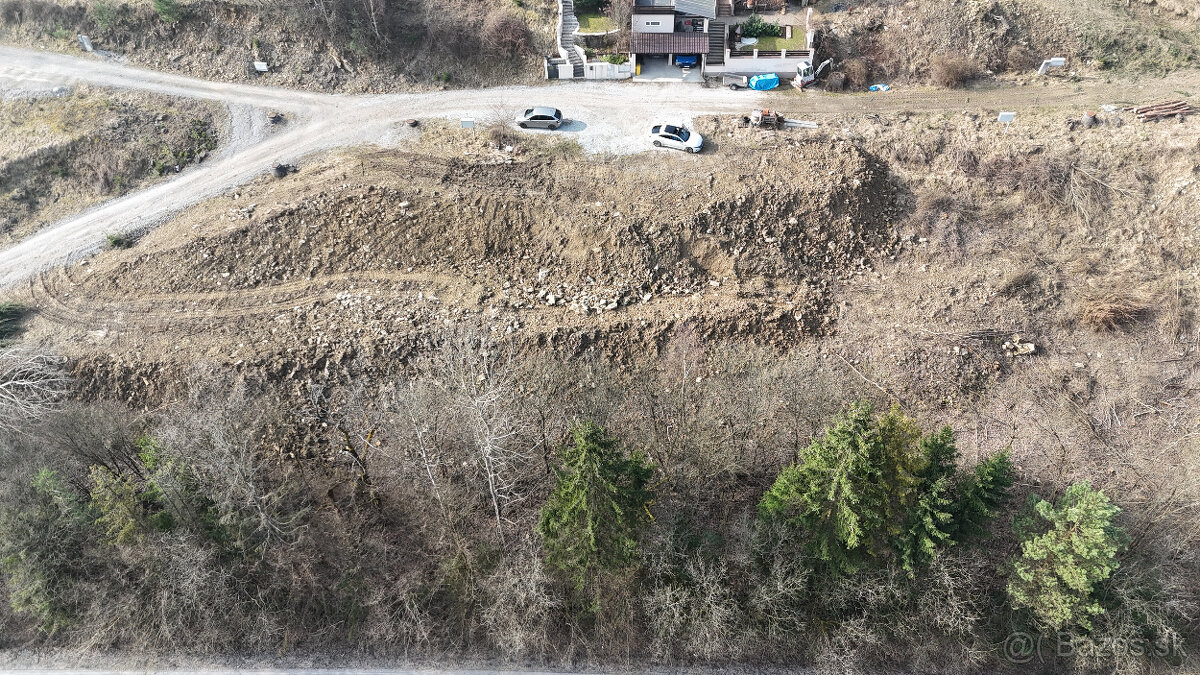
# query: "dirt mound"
[[580, 256]]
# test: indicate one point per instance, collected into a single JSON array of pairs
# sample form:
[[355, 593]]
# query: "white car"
[[676, 136]]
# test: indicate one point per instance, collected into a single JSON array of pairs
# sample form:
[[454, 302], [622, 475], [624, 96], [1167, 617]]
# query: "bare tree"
[[32, 387], [353, 417], [219, 432], [478, 375], [621, 14]]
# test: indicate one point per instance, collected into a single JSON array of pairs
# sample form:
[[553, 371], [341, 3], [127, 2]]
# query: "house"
[[686, 40], [667, 32]]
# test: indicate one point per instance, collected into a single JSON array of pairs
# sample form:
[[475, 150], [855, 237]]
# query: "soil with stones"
[[302, 279]]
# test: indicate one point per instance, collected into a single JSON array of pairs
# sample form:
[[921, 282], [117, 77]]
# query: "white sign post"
[[1056, 62], [1007, 118], [468, 123]]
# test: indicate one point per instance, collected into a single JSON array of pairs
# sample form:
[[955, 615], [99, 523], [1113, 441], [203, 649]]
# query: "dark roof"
[[669, 43]]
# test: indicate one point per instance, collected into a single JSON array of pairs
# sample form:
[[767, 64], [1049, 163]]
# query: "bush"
[[952, 71], [756, 26], [506, 35], [11, 314], [857, 73], [105, 16], [118, 241], [169, 11]]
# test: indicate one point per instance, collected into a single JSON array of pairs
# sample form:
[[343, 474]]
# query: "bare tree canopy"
[[32, 386]]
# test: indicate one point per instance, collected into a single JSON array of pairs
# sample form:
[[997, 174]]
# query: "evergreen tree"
[[980, 495], [853, 488], [593, 518], [1057, 570], [930, 519]]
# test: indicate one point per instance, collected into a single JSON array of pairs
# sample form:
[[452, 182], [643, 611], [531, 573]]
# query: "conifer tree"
[[598, 508], [1057, 570], [980, 495], [929, 520], [852, 489]]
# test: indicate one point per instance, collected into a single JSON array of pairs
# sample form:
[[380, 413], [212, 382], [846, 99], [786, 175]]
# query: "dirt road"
[[612, 117]]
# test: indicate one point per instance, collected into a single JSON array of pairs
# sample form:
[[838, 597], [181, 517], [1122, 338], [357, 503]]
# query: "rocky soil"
[[931, 258], [316, 272]]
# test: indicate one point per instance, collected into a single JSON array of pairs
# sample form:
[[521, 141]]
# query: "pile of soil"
[[603, 256]]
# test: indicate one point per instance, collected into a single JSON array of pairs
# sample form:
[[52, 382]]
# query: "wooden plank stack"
[[1156, 111]]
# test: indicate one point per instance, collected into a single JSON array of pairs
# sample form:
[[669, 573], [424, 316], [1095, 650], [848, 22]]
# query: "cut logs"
[[1154, 111]]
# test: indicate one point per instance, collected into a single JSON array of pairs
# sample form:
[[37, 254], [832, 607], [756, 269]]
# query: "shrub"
[[11, 314], [505, 34], [168, 11], [105, 16], [1058, 569], [952, 71], [756, 26], [1019, 57], [857, 73], [615, 59], [118, 241]]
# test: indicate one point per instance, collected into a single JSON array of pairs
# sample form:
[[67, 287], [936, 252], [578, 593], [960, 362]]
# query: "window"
[[653, 23]]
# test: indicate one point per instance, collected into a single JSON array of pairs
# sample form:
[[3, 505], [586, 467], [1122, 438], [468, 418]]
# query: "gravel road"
[[612, 117]]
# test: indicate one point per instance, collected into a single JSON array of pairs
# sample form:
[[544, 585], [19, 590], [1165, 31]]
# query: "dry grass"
[[963, 160], [1017, 282], [952, 71], [1073, 184], [857, 73], [1112, 310]]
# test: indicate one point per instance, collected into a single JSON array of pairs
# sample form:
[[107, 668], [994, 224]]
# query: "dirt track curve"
[[611, 118]]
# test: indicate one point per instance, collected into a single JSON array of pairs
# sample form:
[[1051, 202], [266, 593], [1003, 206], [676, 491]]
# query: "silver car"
[[541, 117]]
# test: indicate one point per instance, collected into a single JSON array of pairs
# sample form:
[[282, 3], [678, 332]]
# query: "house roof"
[[706, 8], [669, 43]]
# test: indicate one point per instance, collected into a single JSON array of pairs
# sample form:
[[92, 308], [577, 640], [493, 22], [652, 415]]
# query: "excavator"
[[805, 74]]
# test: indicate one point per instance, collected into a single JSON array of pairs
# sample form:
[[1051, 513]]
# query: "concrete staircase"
[[568, 26], [716, 42], [724, 7]]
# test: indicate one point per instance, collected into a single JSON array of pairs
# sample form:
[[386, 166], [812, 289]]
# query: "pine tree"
[[598, 508], [853, 488], [1057, 570]]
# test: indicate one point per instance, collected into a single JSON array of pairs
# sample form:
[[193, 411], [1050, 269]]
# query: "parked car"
[[676, 136], [687, 60], [541, 117]]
